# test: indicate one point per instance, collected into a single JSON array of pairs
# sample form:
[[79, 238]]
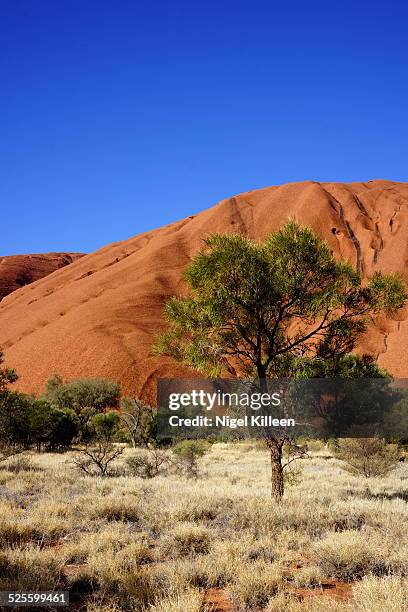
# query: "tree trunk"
[[277, 485], [133, 436], [274, 445]]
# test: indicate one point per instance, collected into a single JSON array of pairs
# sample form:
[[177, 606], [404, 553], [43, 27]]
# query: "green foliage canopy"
[[105, 424], [85, 397], [261, 309]]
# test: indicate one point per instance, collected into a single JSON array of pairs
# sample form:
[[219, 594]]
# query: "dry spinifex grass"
[[158, 545]]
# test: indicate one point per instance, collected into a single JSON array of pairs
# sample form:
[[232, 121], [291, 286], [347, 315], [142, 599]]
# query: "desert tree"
[[51, 427], [86, 397], [258, 310], [25, 420], [396, 420], [105, 425], [15, 419], [139, 421], [10, 412], [98, 454], [8, 376]]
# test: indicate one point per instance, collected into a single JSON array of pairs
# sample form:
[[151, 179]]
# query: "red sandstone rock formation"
[[99, 316], [19, 270]]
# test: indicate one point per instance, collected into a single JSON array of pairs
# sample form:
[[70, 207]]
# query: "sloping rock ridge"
[[19, 270]]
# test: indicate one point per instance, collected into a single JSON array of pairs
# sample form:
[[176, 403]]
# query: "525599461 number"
[[33, 598]]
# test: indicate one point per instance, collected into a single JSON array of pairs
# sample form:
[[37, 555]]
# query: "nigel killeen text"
[[232, 423]]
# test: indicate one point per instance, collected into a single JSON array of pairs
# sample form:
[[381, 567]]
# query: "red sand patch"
[[215, 600], [329, 588]]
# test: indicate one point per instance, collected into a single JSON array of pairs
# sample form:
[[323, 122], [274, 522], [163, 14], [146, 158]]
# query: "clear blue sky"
[[120, 116]]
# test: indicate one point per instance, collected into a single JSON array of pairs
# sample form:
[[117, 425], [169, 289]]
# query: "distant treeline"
[[69, 412]]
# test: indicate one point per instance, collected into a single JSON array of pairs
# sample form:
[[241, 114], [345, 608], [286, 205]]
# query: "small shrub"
[[81, 586], [109, 582], [332, 445], [188, 453], [367, 457], [107, 539], [287, 602], [97, 459], [314, 446], [137, 590], [7, 451], [148, 464], [260, 549]]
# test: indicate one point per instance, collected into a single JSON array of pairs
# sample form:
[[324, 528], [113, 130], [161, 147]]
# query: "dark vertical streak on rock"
[[378, 250], [350, 232], [360, 205], [354, 240], [396, 211]]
